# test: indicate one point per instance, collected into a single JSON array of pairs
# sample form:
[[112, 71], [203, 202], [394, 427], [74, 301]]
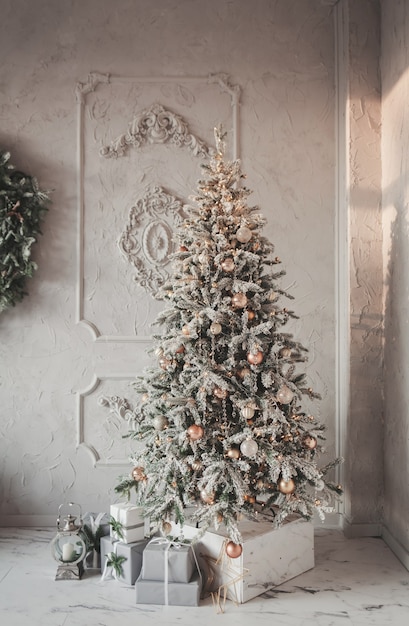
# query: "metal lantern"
[[69, 546]]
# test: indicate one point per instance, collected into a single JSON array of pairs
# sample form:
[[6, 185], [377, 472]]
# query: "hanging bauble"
[[285, 352], [207, 498], [284, 395], [244, 234], [197, 465], [160, 422], [215, 328], [186, 331], [233, 550], [233, 453], [243, 372], [183, 249], [319, 485], [260, 484], [286, 486], [165, 363], [273, 296], [220, 393], [248, 412], [195, 432], [249, 447], [138, 473], [166, 528], [180, 350], [250, 315], [239, 300], [309, 442], [249, 499], [159, 351], [144, 397], [228, 265], [255, 358]]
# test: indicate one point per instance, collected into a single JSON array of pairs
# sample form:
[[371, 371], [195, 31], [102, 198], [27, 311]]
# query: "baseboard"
[[397, 548], [28, 521], [352, 531]]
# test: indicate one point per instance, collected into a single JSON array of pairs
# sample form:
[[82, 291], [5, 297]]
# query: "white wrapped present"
[[131, 522]]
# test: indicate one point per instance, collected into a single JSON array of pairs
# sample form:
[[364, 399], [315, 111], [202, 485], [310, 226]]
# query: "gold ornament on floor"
[[233, 550], [195, 432], [286, 486], [255, 358]]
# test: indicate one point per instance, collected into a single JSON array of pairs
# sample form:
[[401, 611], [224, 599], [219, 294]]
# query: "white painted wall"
[[281, 54], [395, 141]]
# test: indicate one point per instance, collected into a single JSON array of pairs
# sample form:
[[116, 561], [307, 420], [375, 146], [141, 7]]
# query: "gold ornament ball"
[[207, 498], [285, 352], [138, 473], [165, 363], [215, 328], [250, 315], [228, 265], [284, 395], [195, 432], [239, 300], [180, 350], [220, 393], [286, 486], [186, 331], [243, 372], [166, 528], [244, 234], [309, 442], [255, 358], [233, 550], [233, 453], [197, 465]]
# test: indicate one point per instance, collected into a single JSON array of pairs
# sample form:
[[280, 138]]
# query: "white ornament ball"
[[319, 486], [248, 412], [244, 234], [249, 447], [215, 328], [160, 422]]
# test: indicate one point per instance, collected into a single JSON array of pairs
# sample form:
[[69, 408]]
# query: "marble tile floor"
[[355, 582]]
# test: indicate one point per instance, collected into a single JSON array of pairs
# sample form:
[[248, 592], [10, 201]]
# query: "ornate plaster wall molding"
[[156, 125], [147, 241]]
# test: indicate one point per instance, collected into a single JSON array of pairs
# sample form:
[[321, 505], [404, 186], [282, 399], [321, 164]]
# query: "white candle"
[[68, 551]]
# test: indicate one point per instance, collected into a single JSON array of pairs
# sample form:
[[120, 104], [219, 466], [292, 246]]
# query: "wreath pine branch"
[[22, 207]]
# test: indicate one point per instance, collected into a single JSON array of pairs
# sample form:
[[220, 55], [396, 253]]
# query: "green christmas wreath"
[[22, 207]]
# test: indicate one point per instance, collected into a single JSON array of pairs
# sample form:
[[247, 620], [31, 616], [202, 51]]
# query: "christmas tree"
[[220, 416]]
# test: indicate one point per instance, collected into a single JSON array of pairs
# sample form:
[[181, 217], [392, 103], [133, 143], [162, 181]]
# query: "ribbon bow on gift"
[[173, 543], [113, 565]]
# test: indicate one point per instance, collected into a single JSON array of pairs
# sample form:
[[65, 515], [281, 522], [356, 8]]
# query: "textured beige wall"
[[395, 142], [282, 55]]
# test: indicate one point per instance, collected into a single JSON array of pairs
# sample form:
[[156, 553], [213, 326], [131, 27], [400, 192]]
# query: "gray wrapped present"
[[131, 564], [95, 526], [162, 554], [173, 594]]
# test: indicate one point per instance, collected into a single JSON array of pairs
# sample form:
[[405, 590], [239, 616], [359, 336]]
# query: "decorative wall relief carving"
[[147, 242], [156, 125]]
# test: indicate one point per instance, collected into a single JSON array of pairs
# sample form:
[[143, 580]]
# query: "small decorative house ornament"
[[69, 546]]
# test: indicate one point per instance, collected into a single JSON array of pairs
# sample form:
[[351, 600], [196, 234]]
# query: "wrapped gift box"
[[180, 561], [132, 520], [270, 557], [96, 525], [174, 594], [131, 568]]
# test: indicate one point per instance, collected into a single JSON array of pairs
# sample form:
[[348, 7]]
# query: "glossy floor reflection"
[[354, 582]]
